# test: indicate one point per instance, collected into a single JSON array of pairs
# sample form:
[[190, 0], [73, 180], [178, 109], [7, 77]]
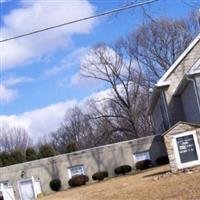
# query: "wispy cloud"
[[71, 60], [11, 80], [7, 95]]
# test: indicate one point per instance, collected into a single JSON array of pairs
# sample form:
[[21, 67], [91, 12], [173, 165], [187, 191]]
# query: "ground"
[[147, 185]]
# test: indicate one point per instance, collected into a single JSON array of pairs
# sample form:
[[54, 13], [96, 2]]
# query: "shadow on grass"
[[157, 174]]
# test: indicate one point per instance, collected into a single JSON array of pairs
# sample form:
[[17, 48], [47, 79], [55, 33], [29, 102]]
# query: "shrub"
[[123, 169], [144, 164], [47, 151], [6, 159], [78, 180], [17, 156], [162, 160], [1, 163], [71, 147], [55, 184], [31, 154], [99, 176]]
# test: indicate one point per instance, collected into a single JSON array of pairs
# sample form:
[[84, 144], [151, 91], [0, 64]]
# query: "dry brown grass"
[[142, 186]]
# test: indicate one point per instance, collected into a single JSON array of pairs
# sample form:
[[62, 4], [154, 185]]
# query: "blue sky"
[[44, 69]]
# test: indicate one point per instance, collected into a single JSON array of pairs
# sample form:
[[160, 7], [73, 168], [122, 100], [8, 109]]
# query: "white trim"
[[176, 63], [6, 183], [194, 73], [70, 168], [176, 152], [163, 84], [25, 180], [145, 154]]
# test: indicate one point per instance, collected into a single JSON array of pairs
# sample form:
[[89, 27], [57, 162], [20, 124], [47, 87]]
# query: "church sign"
[[186, 149], [182, 142]]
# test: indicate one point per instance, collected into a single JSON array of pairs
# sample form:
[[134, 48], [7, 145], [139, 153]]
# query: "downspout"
[[166, 108], [192, 79]]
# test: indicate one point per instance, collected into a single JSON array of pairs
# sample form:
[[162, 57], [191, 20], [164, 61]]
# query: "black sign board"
[[187, 148]]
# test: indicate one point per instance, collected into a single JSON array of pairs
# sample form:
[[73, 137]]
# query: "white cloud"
[[69, 61], [90, 62], [36, 15], [41, 121], [12, 80], [78, 80], [7, 95], [101, 60]]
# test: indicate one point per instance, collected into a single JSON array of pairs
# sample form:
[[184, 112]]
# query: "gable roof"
[[165, 83], [192, 125], [162, 81]]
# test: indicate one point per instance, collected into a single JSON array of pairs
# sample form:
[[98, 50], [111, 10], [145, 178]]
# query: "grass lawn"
[[143, 186]]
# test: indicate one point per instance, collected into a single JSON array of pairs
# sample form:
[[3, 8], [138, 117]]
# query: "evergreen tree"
[[46, 151], [31, 154]]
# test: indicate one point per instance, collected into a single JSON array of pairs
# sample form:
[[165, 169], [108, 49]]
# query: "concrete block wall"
[[106, 157]]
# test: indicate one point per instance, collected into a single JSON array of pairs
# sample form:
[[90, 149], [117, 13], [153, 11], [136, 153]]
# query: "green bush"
[[46, 151], [14, 157], [1, 163], [99, 176], [71, 147], [162, 160], [78, 180], [55, 184], [31, 154], [17, 156], [123, 169], [6, 159], [144, 164]]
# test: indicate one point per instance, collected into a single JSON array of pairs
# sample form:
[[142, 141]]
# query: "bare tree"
[[128, 68], [158, 43], [75, 129], [132, 65], [13, 139], [129, 88]]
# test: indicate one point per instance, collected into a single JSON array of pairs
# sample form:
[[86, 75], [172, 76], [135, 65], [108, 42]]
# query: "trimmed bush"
[[144, 164], [78, 180], [55, 184], [162, 160], [123, 169], [99, 176]]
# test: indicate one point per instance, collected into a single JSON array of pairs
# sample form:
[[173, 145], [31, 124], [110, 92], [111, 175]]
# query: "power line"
[[79, 20]]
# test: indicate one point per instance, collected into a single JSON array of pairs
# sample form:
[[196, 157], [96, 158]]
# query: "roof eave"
[[176, 63]]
